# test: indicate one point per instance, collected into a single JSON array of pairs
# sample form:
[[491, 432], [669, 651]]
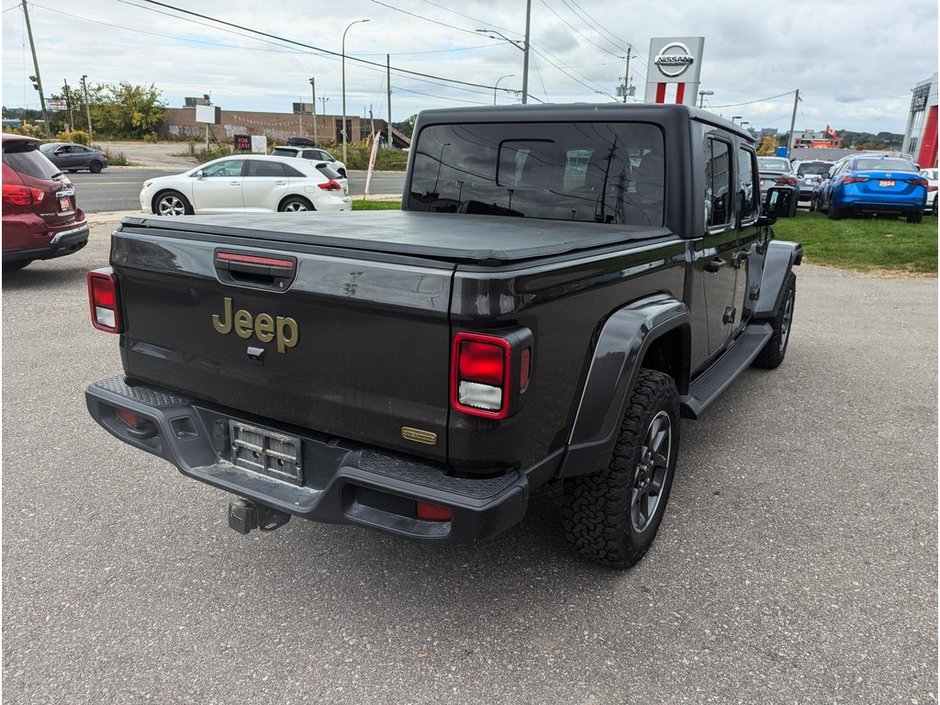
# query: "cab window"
[[749, 196], [717, 183]]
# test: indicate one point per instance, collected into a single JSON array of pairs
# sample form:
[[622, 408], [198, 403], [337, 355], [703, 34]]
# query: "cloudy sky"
[[854, 62]]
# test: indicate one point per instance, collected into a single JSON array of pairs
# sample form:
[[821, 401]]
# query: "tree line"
[[118, 111]]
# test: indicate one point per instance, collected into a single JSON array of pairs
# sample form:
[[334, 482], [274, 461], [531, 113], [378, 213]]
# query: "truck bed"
[[474, 239]]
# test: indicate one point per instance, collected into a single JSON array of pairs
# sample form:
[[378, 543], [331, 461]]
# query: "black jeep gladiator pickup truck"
[[561, 284]]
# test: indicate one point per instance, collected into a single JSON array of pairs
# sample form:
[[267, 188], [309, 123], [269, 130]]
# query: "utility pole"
[[796, 100], [37, 79], [91, 133], [68, 102], [626, 75], [525, 61], [388, 83], [313, 92]]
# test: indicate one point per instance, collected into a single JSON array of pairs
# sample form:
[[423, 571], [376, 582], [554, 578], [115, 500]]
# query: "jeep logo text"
[[264, 327]]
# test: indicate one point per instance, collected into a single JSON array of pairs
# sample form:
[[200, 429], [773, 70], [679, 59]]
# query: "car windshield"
[[587, 172], [772, 164], [26, 159], [815, 168], [884, 165]]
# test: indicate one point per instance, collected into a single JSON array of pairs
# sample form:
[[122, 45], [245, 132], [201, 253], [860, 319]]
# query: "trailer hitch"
[[244, 516]]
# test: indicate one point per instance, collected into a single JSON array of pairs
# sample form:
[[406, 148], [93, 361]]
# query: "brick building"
[[180, 123]]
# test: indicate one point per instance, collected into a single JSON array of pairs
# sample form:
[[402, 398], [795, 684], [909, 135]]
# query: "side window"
[[292, 172], [750, 197], [228, 168], [256, 167], [717, 183]]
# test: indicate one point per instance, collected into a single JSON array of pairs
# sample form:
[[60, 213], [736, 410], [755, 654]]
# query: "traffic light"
[[35, 82]]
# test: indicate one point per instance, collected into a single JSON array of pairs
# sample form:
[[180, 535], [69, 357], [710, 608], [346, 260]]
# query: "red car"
[[40, 218]]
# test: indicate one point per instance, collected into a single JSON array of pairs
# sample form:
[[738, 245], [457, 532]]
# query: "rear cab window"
[[604, 172]]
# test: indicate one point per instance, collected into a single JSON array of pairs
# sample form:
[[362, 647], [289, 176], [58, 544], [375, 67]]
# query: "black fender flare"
[[622, 343], [778, 261]]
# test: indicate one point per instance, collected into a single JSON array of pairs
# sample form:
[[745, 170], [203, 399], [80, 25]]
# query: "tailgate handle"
[[255, 271]]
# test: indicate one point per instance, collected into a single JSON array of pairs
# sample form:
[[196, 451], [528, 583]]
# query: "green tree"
[[407, 126], [126, 110]]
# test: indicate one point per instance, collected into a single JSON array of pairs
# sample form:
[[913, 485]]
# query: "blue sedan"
[[874, 184]]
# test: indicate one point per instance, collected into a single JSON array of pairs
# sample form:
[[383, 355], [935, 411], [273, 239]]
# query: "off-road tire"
[[776, 348], [599, 510]]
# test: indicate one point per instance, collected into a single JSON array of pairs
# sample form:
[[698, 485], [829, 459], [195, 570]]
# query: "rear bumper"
[[342, 482], [63, 242]]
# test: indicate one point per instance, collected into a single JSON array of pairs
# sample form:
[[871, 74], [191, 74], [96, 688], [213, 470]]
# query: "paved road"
[[117, 188], [797, 562]]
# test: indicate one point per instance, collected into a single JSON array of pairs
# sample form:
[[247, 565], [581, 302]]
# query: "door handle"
[[235, 183], [715, 265], [738, 257], [280, 183]]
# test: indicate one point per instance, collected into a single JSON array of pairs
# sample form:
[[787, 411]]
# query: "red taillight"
[[931, 188], [103, 300], [432, 512], [787, 181], [331, 185], [17, 195], [854, 179], [480, 374], [919, 181]]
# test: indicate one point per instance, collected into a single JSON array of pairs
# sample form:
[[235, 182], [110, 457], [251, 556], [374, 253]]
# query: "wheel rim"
[[649, 478], [785, 320], [171, 205], [294, 207]]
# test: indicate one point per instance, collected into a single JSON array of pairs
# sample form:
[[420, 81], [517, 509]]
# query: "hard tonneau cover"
[[466, 238]]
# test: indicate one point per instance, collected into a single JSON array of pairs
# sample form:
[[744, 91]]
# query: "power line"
[[751, 102], [316, 49], [575, 30]]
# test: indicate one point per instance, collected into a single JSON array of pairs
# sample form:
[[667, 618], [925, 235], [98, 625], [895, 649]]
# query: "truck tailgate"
[[343, 345]]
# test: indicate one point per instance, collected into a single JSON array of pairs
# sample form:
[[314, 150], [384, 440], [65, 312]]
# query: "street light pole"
[[91, 133], [701, 97], [496, 87], [313, 92], [523, 47], [345, 157]]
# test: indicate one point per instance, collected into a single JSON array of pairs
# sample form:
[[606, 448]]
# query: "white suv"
[[313, 153]]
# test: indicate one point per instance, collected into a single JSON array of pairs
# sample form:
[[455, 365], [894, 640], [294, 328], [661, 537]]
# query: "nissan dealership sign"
[[675, 65]]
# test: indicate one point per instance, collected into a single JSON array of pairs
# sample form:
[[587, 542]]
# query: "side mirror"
[[779, 202], [198, 174]]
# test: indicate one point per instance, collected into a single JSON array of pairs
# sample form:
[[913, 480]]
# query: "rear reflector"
[[432, 512], [103, 300], [128, 417]]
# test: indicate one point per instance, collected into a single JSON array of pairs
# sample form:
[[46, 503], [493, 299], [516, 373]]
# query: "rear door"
[[218, 189], [264, 184]]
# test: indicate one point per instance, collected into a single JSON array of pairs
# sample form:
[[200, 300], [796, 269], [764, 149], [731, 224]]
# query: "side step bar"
[[705, 389]]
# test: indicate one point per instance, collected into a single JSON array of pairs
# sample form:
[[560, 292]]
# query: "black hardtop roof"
[[568, 112]]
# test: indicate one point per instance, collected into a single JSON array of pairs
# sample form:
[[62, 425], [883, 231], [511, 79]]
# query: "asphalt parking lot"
[[797, 562]]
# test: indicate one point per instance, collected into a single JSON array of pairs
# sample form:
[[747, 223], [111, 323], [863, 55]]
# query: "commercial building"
[[920, 138]]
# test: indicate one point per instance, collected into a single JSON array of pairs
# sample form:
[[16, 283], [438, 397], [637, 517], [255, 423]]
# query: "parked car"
[[810, 173], [75, 157], [776, 171], [40, 218], [873, 184], [931, 176], [247, 184], [320, 155]]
